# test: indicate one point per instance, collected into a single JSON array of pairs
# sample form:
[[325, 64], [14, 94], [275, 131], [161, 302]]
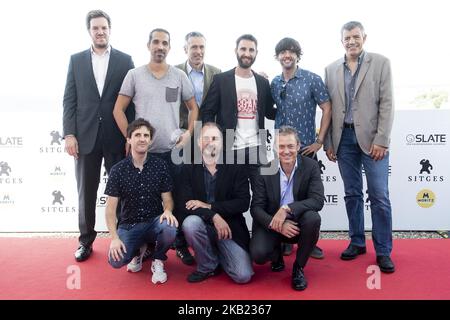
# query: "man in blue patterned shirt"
[[142, 184], [297, 93]]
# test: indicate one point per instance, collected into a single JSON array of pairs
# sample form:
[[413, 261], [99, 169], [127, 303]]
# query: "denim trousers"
[[351, 160], [145, 232], [209, 253]]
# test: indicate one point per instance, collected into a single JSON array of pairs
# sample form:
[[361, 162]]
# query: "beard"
[[243, 64]]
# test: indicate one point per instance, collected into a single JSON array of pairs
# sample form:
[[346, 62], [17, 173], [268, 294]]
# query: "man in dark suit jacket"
[[285, 208], [240, 99], [201, 75], [213, 199], [90, 132]]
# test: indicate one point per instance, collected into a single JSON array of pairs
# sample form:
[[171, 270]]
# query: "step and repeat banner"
[[38, 187]]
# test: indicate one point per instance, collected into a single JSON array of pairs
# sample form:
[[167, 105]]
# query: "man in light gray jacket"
[[360, 88]]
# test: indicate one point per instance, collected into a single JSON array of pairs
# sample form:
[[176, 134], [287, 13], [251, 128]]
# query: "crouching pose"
[[285, 208], [213, 199], [141, 183]]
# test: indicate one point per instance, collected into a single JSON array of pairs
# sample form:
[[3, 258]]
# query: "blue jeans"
[[234, 260], [351, 160], [145, 232]]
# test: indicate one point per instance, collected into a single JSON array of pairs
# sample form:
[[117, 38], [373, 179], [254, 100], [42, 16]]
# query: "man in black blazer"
[[240, 99], [285, 207], [93, 81], [212, 202]]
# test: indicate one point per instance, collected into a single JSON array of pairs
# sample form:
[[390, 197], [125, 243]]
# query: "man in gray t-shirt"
[[157, 90]]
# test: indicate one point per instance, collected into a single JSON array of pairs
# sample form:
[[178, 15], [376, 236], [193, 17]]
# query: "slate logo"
[[325, 178], [57, 206], [425, 170], [6, 176], [11, 142], [425, 198], [331, 200], [426, 139], [6, 200], [54, 145]]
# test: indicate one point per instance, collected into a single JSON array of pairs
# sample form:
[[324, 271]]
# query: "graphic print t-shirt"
[[247, 117]]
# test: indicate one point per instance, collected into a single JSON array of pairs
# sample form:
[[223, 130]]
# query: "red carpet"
[[36, 268]]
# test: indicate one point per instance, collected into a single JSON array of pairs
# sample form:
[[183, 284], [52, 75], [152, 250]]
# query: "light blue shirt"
[[196, 78], [287, 186]]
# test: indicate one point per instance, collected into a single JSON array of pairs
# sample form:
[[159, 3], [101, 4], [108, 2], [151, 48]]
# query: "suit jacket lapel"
[[90, 72], [207, 78], [275, 181], [340, 80], [231, 82], [362, 72], [111, 66]]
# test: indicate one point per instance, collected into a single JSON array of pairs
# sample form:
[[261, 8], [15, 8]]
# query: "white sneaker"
[[159, 275], [136, 264]]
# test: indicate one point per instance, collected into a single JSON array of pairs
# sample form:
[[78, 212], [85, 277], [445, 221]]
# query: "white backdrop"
[[38, 188]]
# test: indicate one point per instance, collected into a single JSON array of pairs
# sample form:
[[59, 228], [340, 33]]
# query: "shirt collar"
[[189, 68], [107, 52], [281, 169], [360, 58]]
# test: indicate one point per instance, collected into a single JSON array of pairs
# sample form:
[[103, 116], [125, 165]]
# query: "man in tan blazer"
[[360, 88], [201, 75]]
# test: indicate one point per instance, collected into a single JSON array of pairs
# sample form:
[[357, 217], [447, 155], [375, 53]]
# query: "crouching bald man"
[[213, 199]]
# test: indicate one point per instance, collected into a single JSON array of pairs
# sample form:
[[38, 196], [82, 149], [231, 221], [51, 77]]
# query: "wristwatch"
[[319, 141]]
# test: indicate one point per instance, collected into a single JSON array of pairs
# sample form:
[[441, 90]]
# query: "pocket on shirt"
[[171, 94]]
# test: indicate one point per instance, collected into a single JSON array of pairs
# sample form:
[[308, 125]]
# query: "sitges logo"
[[57, 204], [6, 174], [54, 145], [426, 139], [425, 170], [325, 177], [11, 142], [425, 198]]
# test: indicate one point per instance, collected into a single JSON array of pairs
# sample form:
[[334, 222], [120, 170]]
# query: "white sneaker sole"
[[156, 281]]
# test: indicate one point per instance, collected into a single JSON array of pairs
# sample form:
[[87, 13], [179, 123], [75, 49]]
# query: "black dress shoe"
[[352, 252], [83, 253], [385, 263], [317, 253], [298, 278], [198, 276], [286, 248], [277, 266]]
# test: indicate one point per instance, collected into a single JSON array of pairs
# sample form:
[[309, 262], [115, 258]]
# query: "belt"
[[349, 125]]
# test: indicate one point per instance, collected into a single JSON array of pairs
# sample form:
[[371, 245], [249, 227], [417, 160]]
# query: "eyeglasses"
[[283, 91]]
